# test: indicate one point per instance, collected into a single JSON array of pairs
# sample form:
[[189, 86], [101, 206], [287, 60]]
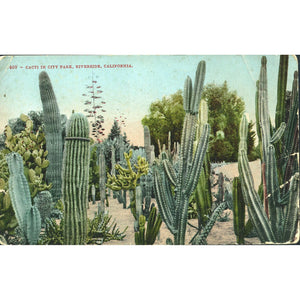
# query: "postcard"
[[149, 150]]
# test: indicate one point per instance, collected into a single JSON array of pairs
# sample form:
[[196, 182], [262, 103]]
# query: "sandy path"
[[221, 234]]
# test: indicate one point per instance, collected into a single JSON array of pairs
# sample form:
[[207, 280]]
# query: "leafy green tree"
[[225, 112], [165, 115]]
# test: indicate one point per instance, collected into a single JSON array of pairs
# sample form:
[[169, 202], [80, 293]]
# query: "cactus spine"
[[28, 216], [53, 133], [174, 209], [75, 179]]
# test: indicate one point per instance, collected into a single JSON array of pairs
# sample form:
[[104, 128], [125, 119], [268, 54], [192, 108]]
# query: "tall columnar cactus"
[[147, 143], [146, 183], [174, 208], [265, 129], [281, 90], [102, 179], [43, 201], [28, 216], [202, 194], [75, 178], [238, 211], [282, 225], [93, 192], [53, 132], [291, 136]]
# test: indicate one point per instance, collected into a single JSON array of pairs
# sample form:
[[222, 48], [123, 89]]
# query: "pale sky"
[[130, 91]]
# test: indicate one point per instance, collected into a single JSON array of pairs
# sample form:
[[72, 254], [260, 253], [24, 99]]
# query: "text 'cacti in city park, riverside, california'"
[[28, 216], [53, 132], [174, 208], [75, 178]]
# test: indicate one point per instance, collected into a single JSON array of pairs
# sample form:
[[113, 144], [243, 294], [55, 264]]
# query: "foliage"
[[225, 111], [53, 234], [100, 231], [165, 115], [115, 131]]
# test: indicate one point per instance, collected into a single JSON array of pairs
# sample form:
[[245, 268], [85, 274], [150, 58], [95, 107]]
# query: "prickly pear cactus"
[[32, 149]]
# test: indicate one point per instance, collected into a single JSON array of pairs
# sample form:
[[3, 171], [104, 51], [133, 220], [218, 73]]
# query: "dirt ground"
[[222, 233]]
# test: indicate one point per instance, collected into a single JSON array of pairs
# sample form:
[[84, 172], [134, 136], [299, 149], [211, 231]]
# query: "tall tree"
[[115, 131], [225, 111], [165, 115]]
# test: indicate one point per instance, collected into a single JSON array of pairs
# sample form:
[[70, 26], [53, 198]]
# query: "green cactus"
[[146, 182], [94, 172], [53, 132], [200, 238], [174, 208], [202, 196], [127, 178], [147, 236], [93, 192], [238, 211], [28, 216], [281, 226], [147, 143], [102, 179], [75, 179], [43, 201], [291, 137]]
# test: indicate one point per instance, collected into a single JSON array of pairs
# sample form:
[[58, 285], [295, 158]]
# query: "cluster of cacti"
[[32, 149], [174, 208], [53, 132], [147, 234], [28, 215], [75, 179], [127, 178], [281, 224]]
